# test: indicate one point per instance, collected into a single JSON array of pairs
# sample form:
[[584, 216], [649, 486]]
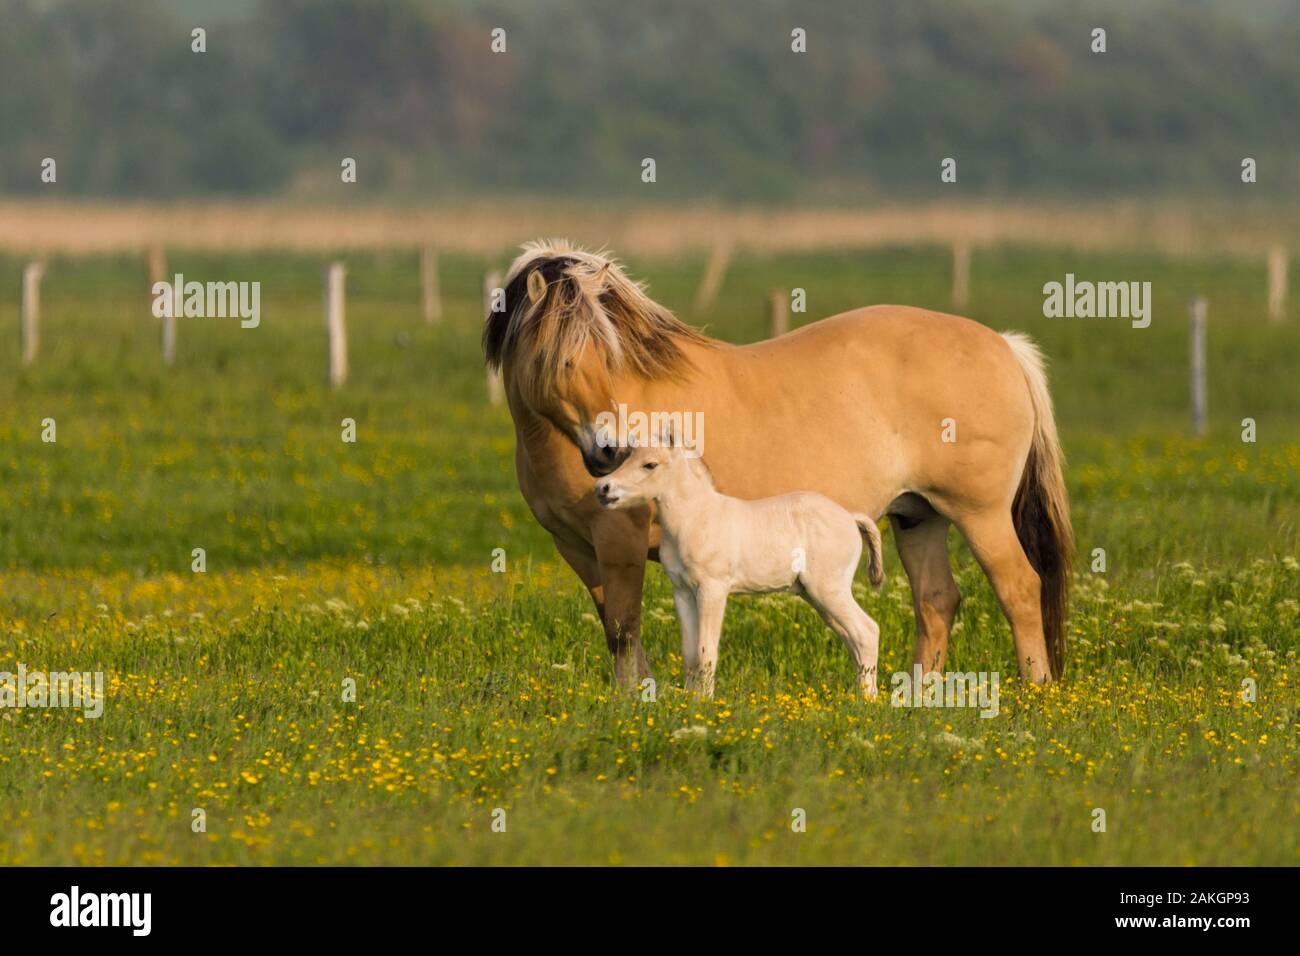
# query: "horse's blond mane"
[[580, 298]]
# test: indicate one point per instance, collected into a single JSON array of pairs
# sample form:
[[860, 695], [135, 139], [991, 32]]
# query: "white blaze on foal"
[[713, 546]]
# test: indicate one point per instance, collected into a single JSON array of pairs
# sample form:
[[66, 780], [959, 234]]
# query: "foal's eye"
[[650, 465]]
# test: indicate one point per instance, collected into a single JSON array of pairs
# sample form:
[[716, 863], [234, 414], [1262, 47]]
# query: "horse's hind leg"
[[992, 538], [923, 548]]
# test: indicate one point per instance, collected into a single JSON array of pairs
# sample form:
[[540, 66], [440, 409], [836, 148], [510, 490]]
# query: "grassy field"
[[478, 691]]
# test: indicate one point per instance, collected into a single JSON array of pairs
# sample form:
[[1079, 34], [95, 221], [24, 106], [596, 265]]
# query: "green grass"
[[478, 691]]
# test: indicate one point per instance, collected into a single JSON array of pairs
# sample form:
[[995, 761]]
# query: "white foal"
[[713, 546]]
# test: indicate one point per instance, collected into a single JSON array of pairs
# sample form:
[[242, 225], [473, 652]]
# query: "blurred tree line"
[[587, 88]]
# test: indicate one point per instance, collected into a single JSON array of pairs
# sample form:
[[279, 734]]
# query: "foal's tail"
[[875, 563], [1041, 509]]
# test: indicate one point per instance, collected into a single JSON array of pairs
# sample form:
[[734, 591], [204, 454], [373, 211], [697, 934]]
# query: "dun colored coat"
[[929, 418]]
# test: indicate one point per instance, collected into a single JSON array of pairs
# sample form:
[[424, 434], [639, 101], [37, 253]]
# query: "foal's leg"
[[711, 607], [855, 627], [688, 617], [621, 539], [997, 548], [935, 598]]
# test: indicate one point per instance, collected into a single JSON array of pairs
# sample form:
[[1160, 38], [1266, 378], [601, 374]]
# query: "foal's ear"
[[666, 436]]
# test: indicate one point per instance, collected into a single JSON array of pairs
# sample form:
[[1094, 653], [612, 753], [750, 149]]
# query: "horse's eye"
[[650, 465]]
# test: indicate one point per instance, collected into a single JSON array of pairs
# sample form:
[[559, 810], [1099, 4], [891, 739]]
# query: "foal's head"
[[653, 472], [577, 338]]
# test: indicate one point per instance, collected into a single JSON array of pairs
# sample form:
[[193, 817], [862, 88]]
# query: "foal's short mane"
[[702, 469], [580, 297]]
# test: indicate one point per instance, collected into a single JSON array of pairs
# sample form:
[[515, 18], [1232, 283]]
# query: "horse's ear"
[[536, 286], [666, 436]]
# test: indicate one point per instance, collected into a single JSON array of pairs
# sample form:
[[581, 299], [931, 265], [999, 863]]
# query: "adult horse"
[[929, 418]]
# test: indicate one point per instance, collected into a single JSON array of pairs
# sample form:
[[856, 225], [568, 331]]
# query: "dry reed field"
[[1175, 229]]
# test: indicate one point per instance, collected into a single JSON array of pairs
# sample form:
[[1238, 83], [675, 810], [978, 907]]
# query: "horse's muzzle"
[[600, 460]]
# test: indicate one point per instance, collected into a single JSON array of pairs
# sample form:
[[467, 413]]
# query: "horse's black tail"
[[1041, 509]]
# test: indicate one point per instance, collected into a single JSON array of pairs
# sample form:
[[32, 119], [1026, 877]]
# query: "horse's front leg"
[[622, 539]]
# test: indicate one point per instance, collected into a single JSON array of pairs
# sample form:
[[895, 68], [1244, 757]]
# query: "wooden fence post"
[[780, 324], [715, 273], [1277, 283], [1199, 308], [334, 323], [156, 262], [430, 293], [31, 314], [495, 387], [960, 275], [157, 265], [169, 335]]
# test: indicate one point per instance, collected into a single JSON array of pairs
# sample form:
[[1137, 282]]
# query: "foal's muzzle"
[[604, 494]]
